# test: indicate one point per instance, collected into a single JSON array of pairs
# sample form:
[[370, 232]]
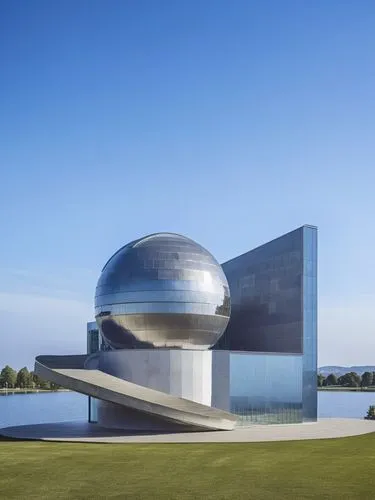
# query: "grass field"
[[321, 469]]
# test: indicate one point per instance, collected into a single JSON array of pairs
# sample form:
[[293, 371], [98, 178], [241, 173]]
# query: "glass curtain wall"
[[274, 310], [93, 345], [266, 388], [266, 294], [310, 323]]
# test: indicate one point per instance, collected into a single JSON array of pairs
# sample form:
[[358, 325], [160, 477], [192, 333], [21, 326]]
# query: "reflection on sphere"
[[163, 290]]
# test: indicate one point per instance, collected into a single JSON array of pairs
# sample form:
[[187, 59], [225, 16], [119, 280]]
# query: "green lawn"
[[322, 469]]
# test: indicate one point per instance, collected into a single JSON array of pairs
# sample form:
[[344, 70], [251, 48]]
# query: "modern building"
[[272, 332], [182, 343], [94, 344], [94, 339]]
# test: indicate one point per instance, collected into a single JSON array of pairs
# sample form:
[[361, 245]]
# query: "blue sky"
[[230, 122]]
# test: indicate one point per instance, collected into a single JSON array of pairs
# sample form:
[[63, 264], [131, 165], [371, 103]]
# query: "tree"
[[370, 413], [23, 378], [39, 383], [54, 387], [8, 377], [356, 379], [331, 379], [321, 380], [366, 379], [350, 379]]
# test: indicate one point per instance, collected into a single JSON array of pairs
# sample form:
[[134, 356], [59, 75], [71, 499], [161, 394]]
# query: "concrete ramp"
[[69, 372]]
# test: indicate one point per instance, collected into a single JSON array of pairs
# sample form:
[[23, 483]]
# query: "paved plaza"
[[91, 433]]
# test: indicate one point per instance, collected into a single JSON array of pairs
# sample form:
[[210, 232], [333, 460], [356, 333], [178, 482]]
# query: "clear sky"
[[231, 122]]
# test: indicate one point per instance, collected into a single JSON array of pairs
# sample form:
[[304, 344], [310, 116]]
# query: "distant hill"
[[341, 370]]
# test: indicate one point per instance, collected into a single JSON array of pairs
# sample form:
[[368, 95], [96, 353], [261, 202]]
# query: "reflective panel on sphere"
[[163, 290]]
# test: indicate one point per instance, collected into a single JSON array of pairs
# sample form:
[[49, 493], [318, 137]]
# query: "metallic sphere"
[[163, 290]]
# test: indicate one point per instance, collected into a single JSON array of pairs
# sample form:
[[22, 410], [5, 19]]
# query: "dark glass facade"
[[92, 338], [93, 345], [274, 314], [266, 287]]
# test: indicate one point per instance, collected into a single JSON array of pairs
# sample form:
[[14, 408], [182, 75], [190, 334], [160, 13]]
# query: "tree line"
[[351, 379], [23, 379]]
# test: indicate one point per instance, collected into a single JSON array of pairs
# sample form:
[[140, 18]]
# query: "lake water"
[[344, 404], [38, 408], [23, 409]]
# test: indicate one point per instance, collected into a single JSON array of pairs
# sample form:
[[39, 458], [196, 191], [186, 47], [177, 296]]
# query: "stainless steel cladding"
[[163, 290]]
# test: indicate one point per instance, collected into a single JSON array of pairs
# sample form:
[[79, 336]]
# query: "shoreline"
[[322, 389], [30, 391], [327, 389], [346, 389]]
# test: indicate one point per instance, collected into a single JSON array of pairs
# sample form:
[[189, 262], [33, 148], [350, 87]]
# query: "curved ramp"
[[69, 372]]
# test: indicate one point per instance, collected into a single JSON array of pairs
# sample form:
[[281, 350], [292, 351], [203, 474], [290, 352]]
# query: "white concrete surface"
[[68, 371], [84, 432]]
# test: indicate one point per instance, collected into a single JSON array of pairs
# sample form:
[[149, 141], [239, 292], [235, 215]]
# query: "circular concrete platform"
[[91, 433]]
